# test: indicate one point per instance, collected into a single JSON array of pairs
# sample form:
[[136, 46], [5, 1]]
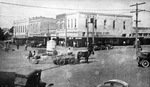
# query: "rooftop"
[[96, 13]]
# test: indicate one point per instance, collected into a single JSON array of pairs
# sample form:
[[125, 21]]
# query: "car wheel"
[[145, 63], [71, 61], [61, 61]]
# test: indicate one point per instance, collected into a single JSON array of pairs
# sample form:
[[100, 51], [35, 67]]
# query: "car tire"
[[145, 63], [61, 61], [71, 61]]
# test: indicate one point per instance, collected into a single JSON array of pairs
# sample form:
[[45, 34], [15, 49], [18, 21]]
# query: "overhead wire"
[[64, 8]]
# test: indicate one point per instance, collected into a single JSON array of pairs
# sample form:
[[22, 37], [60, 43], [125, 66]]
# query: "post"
[[48, 32], [93, 30], [137, 10], [87, 42], [136, 30], [65, 26]]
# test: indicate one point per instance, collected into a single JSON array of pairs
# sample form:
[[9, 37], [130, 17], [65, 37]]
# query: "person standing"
[[17, 43], [26, 45], [29, 55]]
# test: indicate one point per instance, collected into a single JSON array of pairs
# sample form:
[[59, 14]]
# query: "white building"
[[74, 25]]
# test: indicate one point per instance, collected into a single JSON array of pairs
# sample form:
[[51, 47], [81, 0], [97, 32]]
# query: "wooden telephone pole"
[[136, 12]]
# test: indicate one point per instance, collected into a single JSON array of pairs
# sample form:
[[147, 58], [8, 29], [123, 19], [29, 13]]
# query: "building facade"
[[143, 34], [20, 28], [35, 28], [77, 26], [41, 27]]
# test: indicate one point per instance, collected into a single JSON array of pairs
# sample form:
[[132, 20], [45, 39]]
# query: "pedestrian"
[[34, 53], [74, 44], [17, 43], [90, 49], [69, 51], [17, 46], [26, 46], [139, 45], [124, 43], [29, 55]]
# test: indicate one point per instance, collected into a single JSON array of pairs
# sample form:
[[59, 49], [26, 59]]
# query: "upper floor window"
[[20, 29], [114, 24], [75, 23], [62, 24], [71, 23], [105, 24], [95, 24], [68, 23], [124, 25], [86, 23]]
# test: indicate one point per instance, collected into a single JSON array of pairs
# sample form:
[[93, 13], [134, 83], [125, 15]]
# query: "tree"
[[11, 30], [1, 34]]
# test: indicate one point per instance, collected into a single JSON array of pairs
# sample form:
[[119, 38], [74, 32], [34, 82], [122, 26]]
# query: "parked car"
[[34, 43], [101, 46], [22, 78], [109, 46], [143, 58], [41, 45], [114, 83]]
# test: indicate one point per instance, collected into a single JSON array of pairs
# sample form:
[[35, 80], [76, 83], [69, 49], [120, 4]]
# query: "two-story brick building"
[[35, 28], [41, 28], [105, 27], [20, 30]]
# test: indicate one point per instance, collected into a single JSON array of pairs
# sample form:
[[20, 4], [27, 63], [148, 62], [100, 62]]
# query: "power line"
[[8, 16], [23, 5], [147, 10]]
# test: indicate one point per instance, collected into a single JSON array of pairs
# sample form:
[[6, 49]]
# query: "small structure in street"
[[51, 46]]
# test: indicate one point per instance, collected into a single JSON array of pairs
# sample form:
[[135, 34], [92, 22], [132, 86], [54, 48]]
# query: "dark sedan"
[[144, 59]]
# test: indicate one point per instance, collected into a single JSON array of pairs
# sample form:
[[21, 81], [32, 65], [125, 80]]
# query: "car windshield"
[[114, 84]]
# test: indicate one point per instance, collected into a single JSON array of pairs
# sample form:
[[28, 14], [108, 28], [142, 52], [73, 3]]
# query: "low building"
[[143, 34]]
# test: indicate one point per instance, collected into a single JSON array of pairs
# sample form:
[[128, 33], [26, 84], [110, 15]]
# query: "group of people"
[[32, 55]]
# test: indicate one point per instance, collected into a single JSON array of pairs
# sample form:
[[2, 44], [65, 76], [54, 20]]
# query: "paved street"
[[118, 63]]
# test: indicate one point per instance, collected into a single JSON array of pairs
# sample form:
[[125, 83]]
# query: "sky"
[[51, 8]]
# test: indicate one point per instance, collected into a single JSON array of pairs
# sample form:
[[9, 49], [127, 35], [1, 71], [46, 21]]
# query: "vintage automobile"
[[34, 43], [41, 45], [143, 58], [100, 46], [114, 83], [22, 78]]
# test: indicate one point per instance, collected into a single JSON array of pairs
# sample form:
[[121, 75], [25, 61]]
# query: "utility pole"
[[65, 26], [90, 20], [48, 31], [87, 25], [93, 23], [136, 12]]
